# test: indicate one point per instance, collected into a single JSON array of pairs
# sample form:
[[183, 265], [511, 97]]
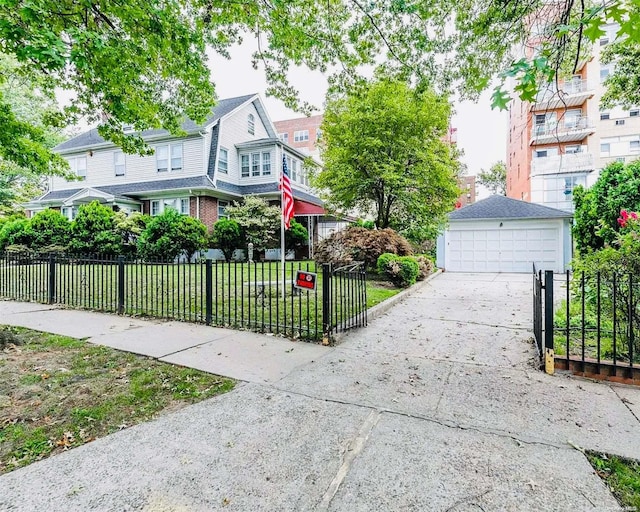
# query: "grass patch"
[[58, 392], [622, 476]]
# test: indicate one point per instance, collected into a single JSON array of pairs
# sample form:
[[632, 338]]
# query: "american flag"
[[287, 194]]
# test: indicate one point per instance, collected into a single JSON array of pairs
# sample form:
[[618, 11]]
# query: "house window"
[[605, 149], [284, 137], [70, 212], [634, 145], [604, 116], [266, 163], [541, 153], [176, 157], [251, 124], [223, 161], [619, 122], [318, 134], [571, 150], [163, 163], [222, 209], [79, 166], [634, 113], [255, 164], [301, 136], [119, 163], [182, 205], [244, 166], [604, 73], [294, 170]]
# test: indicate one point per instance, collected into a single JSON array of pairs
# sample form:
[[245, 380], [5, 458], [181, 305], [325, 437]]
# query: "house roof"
[[92, 138], [265, 188], [136, 189], [501, 207]]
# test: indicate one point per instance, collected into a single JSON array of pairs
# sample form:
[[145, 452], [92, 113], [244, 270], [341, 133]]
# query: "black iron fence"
[[254, 296], [589, 322]]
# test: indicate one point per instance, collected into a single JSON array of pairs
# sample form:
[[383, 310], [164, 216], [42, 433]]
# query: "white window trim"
[[169, 158], [301, 136], [222, 205], [251, 124], [225, 169], [260, 164], [160, 202], [73, 163], [123, 165]]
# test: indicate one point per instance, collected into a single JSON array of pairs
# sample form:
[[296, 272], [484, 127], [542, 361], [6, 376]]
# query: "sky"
[[482, 132]]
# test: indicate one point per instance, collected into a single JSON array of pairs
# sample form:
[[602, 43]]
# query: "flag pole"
[[284, 281]]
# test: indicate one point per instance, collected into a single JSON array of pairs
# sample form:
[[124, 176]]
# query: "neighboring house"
[[500, 234], [566, 136], [234, 153]]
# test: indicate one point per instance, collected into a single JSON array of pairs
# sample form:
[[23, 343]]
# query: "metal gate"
[[344, 297]]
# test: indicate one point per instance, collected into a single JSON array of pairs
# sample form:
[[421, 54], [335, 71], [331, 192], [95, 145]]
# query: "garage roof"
[[501, 207]]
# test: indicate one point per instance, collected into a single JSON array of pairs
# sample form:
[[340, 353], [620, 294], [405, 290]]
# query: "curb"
[[380, 309]]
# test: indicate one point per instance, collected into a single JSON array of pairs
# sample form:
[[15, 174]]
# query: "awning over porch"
[[305, 208]]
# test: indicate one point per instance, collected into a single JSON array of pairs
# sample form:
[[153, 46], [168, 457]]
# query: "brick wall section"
[[302, 123], [208, 210], [468, 195]]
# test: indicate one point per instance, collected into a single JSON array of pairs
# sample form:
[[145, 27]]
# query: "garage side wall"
[[496, 245]]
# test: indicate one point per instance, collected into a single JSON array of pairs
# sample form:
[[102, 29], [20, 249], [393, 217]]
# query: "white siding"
[[233, 130], [100, 166]]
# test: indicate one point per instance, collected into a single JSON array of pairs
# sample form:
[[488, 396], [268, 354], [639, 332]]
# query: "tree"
[[260, 222], [495, 179], [49, 228], [598, 208], [227, 236], [144, 63], [171, 234], [93, 231], [384, 152], [129, 227], [18, 181], [296, 236]]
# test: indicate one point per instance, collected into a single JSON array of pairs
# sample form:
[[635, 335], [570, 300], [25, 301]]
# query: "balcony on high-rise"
[[575, 162], [567, 129], [572, 93]]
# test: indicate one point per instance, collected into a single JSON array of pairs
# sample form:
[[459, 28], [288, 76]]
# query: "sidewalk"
[[242, 355], [435, 406]]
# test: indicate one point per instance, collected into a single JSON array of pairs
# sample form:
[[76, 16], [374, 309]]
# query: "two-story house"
[[235, 153]]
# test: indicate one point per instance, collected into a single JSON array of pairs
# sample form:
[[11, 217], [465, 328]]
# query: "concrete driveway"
[[435, 406]]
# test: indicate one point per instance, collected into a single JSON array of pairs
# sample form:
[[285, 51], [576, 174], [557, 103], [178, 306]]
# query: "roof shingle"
[[501, 207]]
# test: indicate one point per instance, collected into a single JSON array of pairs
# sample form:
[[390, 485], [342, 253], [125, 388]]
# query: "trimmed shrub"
[[171, 234], [360, 244], [129, 228], [15, 232], [227, 236], [93, 231], [296, 237], [49, 227], [401, 270], [426, 266]]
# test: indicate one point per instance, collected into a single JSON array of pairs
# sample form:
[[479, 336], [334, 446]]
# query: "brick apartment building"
[[468, 186], [302, 133], [565, 137]]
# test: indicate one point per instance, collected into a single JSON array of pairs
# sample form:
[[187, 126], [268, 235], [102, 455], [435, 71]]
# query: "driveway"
[[435, 406]]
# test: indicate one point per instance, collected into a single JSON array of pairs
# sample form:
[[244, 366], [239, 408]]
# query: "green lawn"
[[245, 296], [58, 392], [622, 476]]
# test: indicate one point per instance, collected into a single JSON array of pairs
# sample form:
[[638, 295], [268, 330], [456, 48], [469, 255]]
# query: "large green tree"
[[495, 179], [384, 153], [144, 62], [597, 209]]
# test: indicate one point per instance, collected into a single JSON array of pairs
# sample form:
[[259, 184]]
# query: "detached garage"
[[499, 234]]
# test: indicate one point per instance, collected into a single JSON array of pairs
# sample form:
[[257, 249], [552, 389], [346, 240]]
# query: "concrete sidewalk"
[[435, 406], [242, 355]]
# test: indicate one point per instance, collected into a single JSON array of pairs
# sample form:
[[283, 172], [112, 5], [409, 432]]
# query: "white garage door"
[[503, 250]]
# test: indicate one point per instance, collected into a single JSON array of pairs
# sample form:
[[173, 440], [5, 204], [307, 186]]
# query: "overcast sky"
[[481, 131]]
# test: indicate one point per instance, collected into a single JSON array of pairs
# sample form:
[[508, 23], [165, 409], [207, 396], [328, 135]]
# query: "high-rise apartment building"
[[565, 137], [302, 133]]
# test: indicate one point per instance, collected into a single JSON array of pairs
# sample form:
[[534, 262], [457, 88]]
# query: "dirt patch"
[[58, 392]]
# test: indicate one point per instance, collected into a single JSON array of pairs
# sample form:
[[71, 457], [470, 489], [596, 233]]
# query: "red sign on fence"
[[305, 280]]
